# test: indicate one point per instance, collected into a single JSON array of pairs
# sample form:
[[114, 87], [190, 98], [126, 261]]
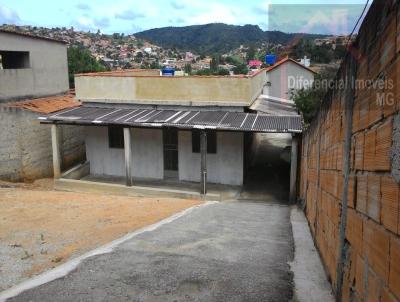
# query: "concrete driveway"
[[231, 251]]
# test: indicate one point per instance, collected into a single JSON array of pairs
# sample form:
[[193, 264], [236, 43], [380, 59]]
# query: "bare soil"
[[41, 228]]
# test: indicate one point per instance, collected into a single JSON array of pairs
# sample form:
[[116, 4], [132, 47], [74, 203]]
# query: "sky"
[[130, 16]]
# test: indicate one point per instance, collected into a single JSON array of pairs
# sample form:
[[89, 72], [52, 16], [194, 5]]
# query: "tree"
[[155, 65], [240, 69], [188, 68], [79, 61], [223, 72], [309, 100], [214, 63], [251, 53]]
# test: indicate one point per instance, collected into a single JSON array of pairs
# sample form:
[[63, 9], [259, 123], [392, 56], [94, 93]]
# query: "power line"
[[358, 21]]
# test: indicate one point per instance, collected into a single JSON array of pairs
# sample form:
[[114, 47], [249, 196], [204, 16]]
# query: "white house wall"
[[224, 167], [103, 160], [147, 153], [281, 84]]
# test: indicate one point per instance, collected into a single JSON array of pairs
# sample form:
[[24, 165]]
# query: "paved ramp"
[[233, 251]]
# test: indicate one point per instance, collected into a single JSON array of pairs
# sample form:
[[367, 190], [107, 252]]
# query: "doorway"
[[267, 166], [170, 141]]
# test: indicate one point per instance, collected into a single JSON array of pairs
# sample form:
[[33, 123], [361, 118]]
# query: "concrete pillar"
[[293, 170], [128, 156], [55, 143], [203, 151]]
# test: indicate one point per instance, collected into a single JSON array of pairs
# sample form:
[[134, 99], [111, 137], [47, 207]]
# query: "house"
[[190, 129], [33, 82], [287, 76], [255, 64], [31, 66]]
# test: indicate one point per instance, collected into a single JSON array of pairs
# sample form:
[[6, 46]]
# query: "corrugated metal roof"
[[274, 106], [184, 119], [46, 105]]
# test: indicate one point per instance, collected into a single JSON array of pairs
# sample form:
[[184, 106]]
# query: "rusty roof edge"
[[32, 36]]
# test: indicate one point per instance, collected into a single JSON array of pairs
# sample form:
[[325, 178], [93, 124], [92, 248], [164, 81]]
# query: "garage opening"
[[14, 59], [267, 166]]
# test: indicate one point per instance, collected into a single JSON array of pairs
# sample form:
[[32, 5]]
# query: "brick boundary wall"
[[350, 166]]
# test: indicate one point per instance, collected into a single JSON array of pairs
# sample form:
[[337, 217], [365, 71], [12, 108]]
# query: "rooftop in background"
[[31, 36], [274, 106], [46, 105], [149, 88], [287, 59]]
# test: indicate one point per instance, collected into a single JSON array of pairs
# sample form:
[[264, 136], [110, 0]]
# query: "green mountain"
[[216, 37]]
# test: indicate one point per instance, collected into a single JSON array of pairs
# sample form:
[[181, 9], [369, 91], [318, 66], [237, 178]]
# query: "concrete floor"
[[230, 251]]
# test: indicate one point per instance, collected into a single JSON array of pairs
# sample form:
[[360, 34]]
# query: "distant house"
[[287, 76], [33, 82], [31, 66], [255, 64]]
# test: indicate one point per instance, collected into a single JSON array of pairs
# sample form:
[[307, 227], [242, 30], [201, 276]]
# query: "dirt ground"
[[41, 228]]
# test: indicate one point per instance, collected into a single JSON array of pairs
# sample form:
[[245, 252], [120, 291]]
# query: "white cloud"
[[8, 16], [129, 15]]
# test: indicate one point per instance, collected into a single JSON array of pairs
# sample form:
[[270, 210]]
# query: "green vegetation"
[[215, 37], [188, 68], [309, 100], [240, 69], [209, 72], [318, 54], [79, 61]]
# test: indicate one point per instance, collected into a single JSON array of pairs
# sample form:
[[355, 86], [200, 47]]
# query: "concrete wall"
[[25, 146], [224, 167], [286, 77], [350, 162], [196, 90], [147, 153], [48, 72]]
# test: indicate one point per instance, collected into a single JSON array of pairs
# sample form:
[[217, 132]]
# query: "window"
[[14, 59], [116, 137], [211, 142]]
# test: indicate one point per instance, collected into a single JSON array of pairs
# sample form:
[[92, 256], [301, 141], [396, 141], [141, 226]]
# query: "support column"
[[55, 143], [203, 150], [293, 170], [128, 156]]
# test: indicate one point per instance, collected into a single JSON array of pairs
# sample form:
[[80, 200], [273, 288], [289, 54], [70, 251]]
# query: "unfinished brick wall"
[[371, 219], [25, 146]]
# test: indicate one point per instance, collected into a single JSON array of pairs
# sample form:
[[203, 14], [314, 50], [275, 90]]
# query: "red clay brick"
[[383, 146], [376, 248], [364, 112], [359, 283], [375, 112], [374, 288], [390, 203], [388, 37], [354, 230], [359, 152], [369, 150], [356, 115], [394, 277], [387, 296], [361, 204], [374, 197]]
